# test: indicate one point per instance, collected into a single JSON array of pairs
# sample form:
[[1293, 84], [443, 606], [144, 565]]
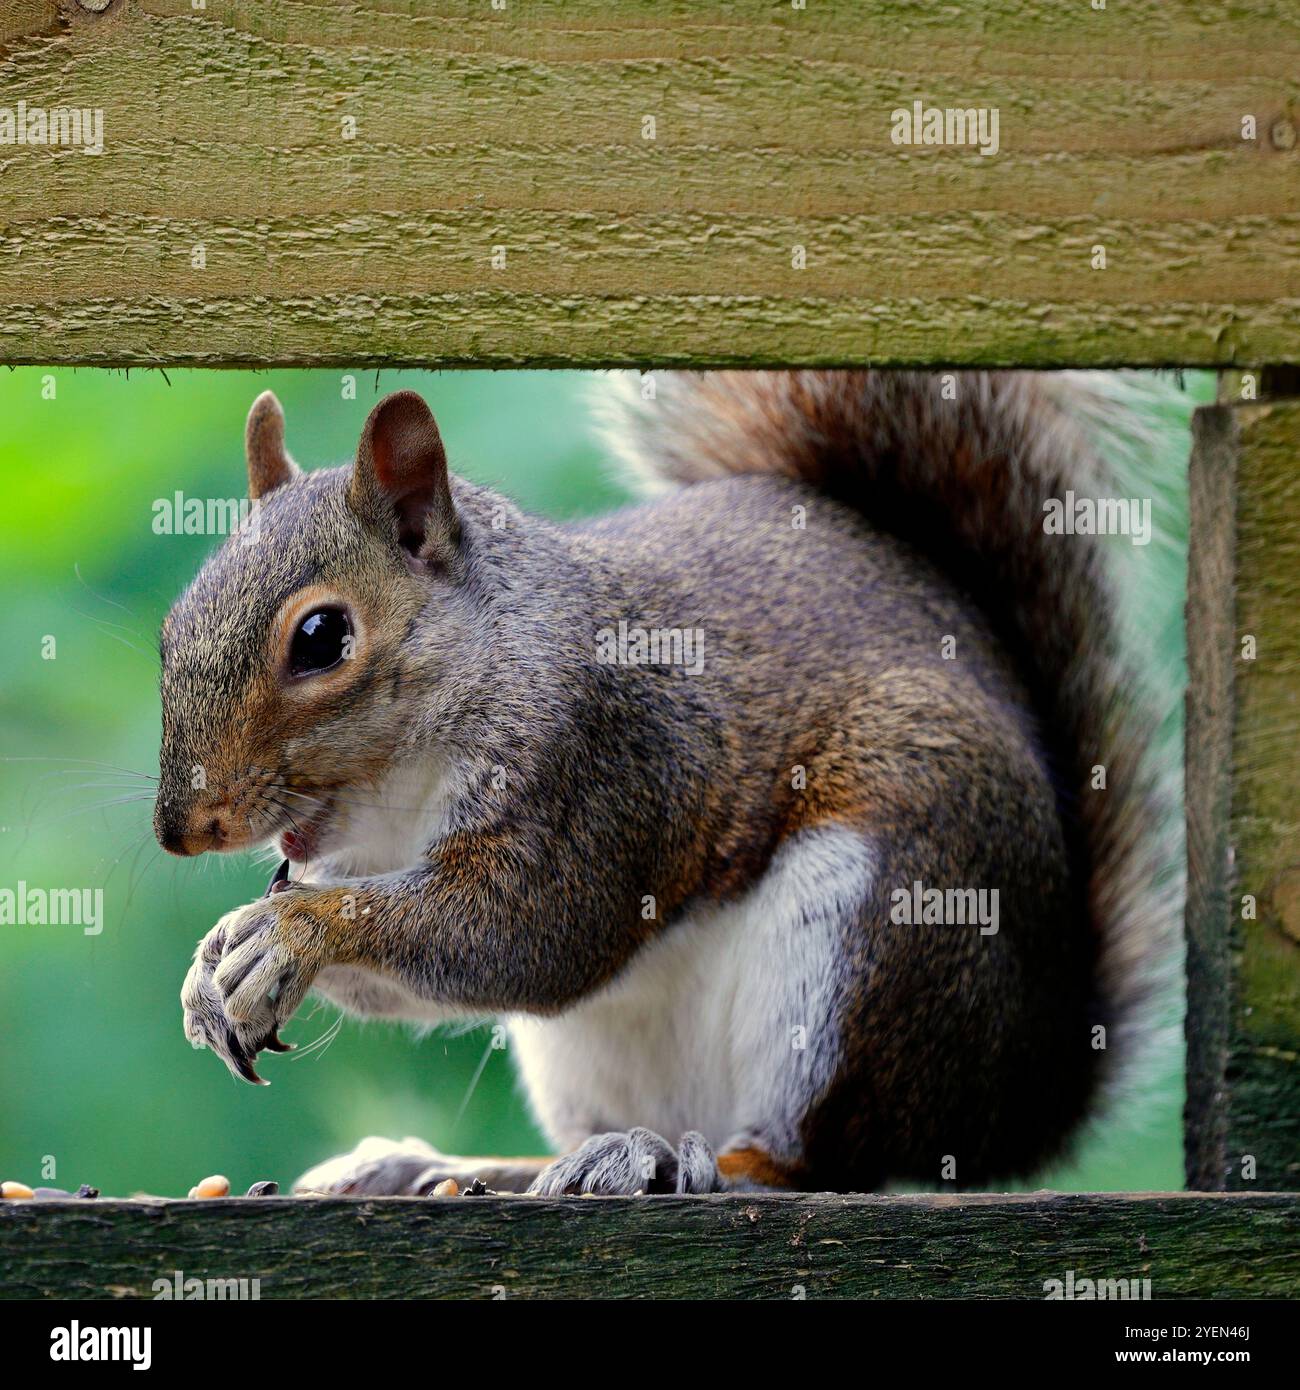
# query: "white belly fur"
[[703, 1029]]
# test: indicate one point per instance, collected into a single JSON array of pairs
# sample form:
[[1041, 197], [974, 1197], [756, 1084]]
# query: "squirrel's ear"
[[268, 464], [400, 479]]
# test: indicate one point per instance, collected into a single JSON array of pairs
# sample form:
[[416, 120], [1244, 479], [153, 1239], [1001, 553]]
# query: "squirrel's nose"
[[189, 831], [169, 826], [170, 838]]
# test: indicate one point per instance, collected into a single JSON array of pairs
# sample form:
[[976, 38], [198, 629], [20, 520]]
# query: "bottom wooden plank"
[[962, 1246]]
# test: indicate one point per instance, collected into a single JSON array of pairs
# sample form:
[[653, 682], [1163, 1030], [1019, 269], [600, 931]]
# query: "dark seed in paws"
[[263, 1189], [85, 1190], [279, 880]]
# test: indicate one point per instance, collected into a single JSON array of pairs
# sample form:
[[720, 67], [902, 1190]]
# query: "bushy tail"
[[960, 465]]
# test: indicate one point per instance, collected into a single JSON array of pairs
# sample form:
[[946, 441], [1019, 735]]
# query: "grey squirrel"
[[732, 904]]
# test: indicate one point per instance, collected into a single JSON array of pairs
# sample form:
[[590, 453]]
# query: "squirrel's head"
[[285, 663]]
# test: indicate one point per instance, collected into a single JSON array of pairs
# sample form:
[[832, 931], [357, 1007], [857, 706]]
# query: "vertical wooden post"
[[1243, 788]]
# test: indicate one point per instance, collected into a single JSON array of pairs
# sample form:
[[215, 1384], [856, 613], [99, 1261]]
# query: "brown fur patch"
[[756, 1165]]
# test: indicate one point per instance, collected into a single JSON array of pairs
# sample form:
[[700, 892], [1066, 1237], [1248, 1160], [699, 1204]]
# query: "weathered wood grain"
[[26, 18], [1211, 648], [522, 129], [692, 1247], [1243, 796]]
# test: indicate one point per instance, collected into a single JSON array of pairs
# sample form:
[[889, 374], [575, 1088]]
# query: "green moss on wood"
[[693, 1247]]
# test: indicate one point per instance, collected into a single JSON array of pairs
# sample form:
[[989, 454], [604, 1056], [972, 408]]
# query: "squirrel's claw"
[[273, 1043], [239, 1064]]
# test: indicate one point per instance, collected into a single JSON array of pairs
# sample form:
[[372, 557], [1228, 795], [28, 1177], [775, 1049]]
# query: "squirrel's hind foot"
[[627, 1164]]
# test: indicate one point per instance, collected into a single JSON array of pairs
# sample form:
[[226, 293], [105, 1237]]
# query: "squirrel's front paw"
[[622, 1165], [247, 980]]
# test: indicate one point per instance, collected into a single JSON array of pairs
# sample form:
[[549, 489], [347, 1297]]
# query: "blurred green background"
[[97, 1076]]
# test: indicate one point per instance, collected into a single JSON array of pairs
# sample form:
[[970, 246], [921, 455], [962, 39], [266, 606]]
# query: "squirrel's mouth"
[[303, 840]]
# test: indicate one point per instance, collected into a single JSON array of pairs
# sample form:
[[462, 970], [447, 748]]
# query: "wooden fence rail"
[[597, 181], [1203, 1246], [1243, 795]]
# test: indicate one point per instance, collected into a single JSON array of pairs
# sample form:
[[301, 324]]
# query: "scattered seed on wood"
[[16, 1191], [215, 1186], [478, 1188], [266, 1188], [85, 1190], [47, 1194], [448, 1187]]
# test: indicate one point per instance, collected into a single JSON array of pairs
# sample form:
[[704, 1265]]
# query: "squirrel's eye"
[[323, 639]]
